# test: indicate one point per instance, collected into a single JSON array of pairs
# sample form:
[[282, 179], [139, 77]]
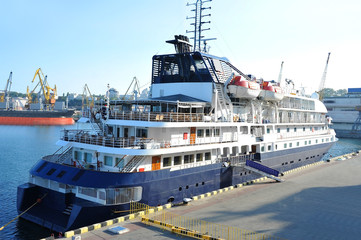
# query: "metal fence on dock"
[[192, 227]]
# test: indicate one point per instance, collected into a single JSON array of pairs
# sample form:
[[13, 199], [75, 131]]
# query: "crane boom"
[[323, 79], [280, 75], [7, 89]]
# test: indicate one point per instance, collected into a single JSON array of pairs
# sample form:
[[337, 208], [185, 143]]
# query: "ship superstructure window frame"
[[78, 156], [207, 156], [199, 157], [108, 160], [177, 160], [88, 157], [167, 161]]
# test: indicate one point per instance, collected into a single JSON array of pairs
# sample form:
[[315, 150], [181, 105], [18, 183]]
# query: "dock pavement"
[[320, 201]]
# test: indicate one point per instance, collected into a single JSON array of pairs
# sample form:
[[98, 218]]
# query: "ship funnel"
[[181, 44]]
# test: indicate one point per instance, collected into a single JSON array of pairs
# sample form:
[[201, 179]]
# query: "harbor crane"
[[85, 98], [49, 94], [4, 97], [136, 89], [323, 80]]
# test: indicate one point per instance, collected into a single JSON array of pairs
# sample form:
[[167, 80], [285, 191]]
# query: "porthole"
[[202, 183], [180, 188], [196, 184], [187, 187]]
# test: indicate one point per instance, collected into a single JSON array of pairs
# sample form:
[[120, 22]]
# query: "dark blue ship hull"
[[158, 186]]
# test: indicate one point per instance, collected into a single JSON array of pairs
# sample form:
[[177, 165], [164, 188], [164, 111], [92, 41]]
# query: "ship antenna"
[[198, 23]]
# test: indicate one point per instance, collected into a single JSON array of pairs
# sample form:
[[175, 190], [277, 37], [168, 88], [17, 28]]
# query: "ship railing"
[[159, 116], [86, 137], [238, 160], [302, 134]]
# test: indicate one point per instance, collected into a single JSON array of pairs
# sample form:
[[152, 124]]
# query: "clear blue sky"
[[101, 42]]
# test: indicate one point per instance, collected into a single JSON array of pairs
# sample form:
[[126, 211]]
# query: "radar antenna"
[[198, 23]]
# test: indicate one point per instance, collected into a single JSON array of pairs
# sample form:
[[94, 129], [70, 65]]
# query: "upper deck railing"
[[159, 116]]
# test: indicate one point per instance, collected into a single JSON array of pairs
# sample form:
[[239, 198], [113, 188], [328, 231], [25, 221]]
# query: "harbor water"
[[22, 146]]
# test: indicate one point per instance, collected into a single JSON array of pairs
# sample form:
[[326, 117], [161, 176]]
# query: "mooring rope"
[[37, 201]]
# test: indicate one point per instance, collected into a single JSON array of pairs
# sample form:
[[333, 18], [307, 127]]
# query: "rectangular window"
[[305, 142], [188, 159], [278, 130], [288, 129], [268, 130], [78, 156], [108, 161], [285, 145], [200, 133], [304, 129], [208, 132], [269, 147], [262, 149], [290, 144], [309, 142], [216, 132], [87, 157], [167, 162], [295, 129], [142, 133], [298, 144], [177, 160], [207, 156], [199, 157]]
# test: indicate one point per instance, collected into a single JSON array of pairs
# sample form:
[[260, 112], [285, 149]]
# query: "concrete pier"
[[322, 201]]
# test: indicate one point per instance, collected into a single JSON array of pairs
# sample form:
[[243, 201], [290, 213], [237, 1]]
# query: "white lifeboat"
[[271, 93], [241, 88]]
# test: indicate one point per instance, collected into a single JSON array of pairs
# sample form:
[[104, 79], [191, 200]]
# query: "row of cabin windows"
[[289, 145], [208, 133], [190, 158], [107, 160], [295, 129]]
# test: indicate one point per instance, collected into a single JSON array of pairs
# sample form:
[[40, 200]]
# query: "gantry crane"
[[323, 80], [49, 94]]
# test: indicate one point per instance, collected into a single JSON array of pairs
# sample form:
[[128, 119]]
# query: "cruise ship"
[[345, 112], [205, 125]]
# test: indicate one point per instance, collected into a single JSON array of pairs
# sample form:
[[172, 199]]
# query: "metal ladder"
[[66, 154], [133, 163]]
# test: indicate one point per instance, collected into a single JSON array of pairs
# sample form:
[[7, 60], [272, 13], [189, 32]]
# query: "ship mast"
[[198, 23]]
